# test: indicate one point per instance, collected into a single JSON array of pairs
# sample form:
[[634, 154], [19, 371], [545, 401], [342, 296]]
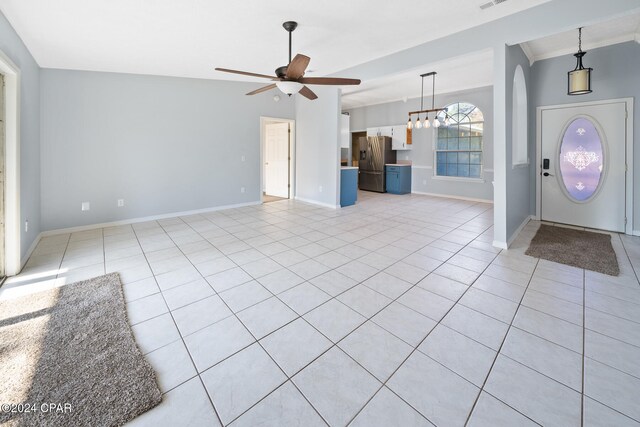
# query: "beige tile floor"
[[396, 311]]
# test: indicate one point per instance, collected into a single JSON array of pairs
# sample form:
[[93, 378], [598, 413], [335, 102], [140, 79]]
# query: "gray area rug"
[[72, 346], [582, 249]]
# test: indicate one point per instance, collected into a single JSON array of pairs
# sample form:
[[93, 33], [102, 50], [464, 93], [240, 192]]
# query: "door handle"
[[547, 174]]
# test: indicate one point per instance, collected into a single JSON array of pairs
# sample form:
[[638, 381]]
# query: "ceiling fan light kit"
[[290, 78], [289, 87]]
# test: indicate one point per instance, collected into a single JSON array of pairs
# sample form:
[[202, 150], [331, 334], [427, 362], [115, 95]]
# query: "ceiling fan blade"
[[246, 73], [308, 93], [262, 89], [297, 67], [328, 81]]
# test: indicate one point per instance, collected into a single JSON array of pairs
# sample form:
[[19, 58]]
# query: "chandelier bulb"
[[427, 124], [436, 122], [409, 123], [418, 123]]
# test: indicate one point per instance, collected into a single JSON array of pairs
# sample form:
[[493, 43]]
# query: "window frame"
[[479, 178]]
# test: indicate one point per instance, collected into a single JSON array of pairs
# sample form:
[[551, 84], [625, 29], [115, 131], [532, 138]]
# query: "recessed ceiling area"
[[188, 38], [618, 30], [455, 74]]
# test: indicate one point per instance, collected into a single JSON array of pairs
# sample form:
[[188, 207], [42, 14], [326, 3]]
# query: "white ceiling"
[[453, 75], [189, 38], [606, 33]]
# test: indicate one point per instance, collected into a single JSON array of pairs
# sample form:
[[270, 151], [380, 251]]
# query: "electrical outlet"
[[26, 226], [86, 206], [120, 203], [320, 189], [242, 189], [242, 158]]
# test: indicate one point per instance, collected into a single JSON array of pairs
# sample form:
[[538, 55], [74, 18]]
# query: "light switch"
[[86, 206]]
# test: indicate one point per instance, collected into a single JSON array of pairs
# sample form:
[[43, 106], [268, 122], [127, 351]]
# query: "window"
[[459, 145], [519, 154]]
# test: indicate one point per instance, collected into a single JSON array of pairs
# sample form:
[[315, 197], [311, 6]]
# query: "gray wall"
[[163, 144], [318, 147], [11, 45], [615, 75], [518, 178], [421, 155]]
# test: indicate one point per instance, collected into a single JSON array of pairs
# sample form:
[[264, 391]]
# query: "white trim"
[[30, 251], [314, 202], [628, 153], [587, 47], [292, 152], [448, 196], [459, 178], [528, 52], [12, 165], [499, 245], [518, 230], [635, 233], [421, 167], [144, 219], [487, 170]]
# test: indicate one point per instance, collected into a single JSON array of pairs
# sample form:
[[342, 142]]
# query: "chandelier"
[[426, 123]]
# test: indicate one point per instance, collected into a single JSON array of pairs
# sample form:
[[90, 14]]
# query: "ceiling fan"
[[290, 78]]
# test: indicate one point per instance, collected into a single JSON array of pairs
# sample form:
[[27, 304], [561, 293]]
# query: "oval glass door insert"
[[581, 159]]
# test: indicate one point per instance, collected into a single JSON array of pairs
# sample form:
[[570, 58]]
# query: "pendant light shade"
[[409, 124], [436, 122], [427, 124], [418, 123], [579, 79], [289, 87]]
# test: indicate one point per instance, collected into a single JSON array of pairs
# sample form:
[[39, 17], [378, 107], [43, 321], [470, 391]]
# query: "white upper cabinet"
[[398, 135], [345, 135], [399, 138]]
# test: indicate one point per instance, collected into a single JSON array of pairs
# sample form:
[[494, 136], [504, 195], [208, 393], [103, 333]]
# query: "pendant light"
[[579, 80], [426, 123]]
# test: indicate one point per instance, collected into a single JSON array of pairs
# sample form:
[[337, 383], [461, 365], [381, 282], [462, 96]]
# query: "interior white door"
[[276, 160], [583, 165]]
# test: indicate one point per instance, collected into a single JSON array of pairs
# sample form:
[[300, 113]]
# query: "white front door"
[[584, 165], [276, 160]]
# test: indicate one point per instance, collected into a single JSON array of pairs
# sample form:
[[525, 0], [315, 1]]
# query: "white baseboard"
[[144, 219], [635, 233], [314, 202], [448, 196], [505, 245], [26, 257], [519, 229]]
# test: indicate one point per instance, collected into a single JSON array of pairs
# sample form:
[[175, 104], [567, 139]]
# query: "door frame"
[[628, 153], [292, 152], [11, 72]]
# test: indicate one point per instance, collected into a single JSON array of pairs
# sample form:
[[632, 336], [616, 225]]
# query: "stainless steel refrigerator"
[[375, 152]]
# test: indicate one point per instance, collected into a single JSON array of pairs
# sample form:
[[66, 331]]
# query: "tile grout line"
[[500, 350], [256, 341], [178, 330]]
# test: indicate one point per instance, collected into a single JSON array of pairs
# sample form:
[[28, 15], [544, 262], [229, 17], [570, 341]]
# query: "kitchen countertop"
[[348, 167], [396, 164]]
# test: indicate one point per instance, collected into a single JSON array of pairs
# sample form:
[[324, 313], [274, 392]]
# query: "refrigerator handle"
[[363, 155]]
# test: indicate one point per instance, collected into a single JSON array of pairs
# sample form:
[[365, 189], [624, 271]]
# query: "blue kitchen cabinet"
[[398, 179], [348, 186]]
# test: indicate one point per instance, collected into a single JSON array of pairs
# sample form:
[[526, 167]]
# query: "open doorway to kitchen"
[[277, 145]]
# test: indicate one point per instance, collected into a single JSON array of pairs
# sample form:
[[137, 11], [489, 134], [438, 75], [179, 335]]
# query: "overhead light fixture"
[[289, 87], [426, 124], [580, 78]]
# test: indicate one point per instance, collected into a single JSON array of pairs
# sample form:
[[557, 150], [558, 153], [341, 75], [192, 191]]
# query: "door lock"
[[547, 174]]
